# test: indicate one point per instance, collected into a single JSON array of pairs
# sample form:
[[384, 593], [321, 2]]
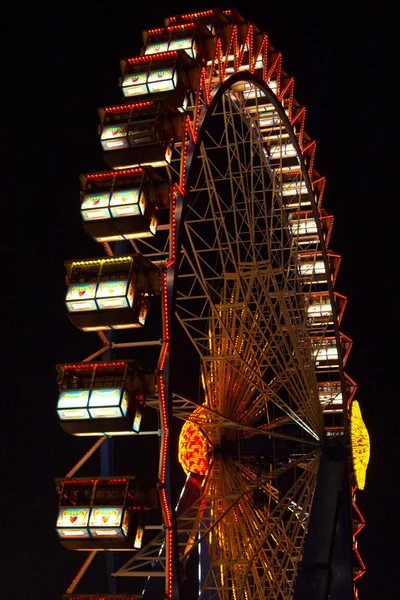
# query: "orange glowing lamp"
[[193, 446]]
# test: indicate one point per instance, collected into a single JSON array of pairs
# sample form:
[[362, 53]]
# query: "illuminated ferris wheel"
[[214, 206]]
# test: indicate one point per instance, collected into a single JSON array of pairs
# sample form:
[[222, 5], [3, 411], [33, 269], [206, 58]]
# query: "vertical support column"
[[173, 574], [326, 571]]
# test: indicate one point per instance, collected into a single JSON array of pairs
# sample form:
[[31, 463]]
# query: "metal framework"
[[246, 268]]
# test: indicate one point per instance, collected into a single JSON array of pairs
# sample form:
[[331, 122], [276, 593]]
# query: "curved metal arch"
[[232, 258], [194, 149], [206, 114]]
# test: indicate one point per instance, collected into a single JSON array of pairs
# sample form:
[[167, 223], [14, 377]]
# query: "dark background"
[[61, 62]]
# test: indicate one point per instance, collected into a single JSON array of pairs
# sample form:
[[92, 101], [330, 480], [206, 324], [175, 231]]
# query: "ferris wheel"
[[214, 206]]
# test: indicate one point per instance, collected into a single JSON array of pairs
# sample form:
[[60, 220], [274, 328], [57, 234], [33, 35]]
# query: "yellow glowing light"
[[192, 451], [360, 445], [100, 261]]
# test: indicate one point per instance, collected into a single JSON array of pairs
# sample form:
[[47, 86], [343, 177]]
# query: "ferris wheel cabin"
[[105, 398], [135, 135], [122, 205], [161, 77], [110, 293], [103, 513]]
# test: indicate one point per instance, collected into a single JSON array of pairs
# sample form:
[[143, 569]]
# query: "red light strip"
[[94, 365], [344, 338], [352, 393], [311, 147], [86, 481], [363, 569], [233, 48], [190, 129], [164, 424], [340, 315], [243, 50], [172, 250], [81, 571], [334, 273], [108, 175], [171, 28], [147, 58], [197, 15], [164, 437], [219, 56], [123, 172], [300, 115], [168, 514], [362, 520], [126, 107], [251, 49], [291, 100], [82, 482], [114, 174], [204, 86], [163, 355], [200, 86], [329, 228], [169, 561], [165, 309], [288, 88], [276, 67], [187, 129], [166, 510], [362, 565], [109, 253], [103, 337], [216, 58], [322, 182], [263, 52]]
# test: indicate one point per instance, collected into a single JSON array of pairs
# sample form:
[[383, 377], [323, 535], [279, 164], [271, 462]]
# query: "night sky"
[[61, 62]]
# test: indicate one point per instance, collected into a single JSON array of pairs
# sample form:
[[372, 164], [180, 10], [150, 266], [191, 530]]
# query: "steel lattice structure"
[[247, 279]]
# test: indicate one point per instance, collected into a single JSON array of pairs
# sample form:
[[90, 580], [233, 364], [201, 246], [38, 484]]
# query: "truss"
[[240, 297], [254, 549]]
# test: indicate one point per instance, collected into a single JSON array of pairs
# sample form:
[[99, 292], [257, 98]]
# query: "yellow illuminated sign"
[[360, 445]]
